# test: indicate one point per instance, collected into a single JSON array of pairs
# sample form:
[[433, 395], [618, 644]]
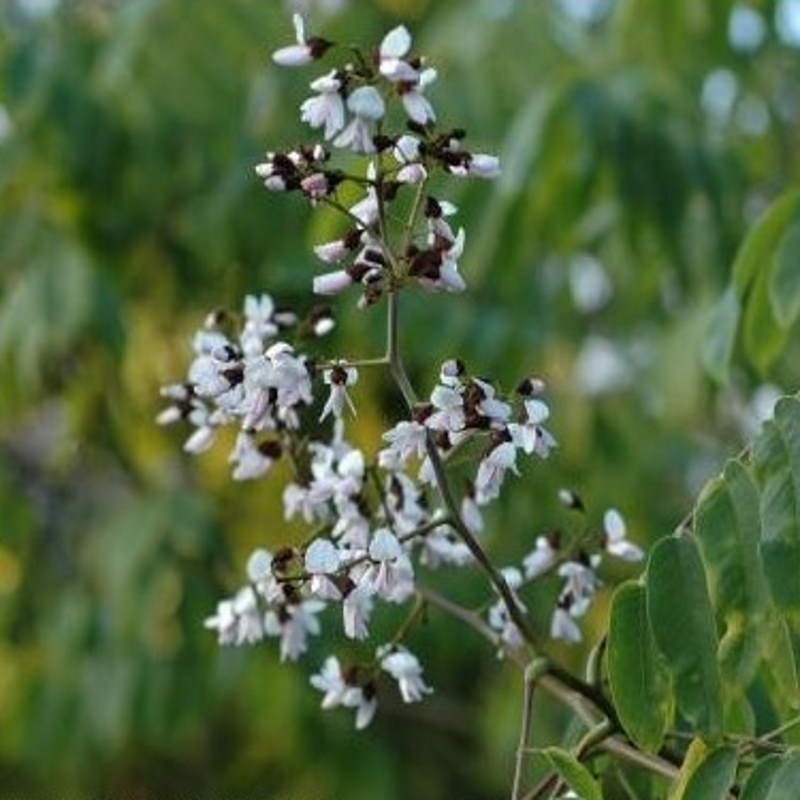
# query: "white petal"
[[332, 282], [367, 103], [614, 525], [299, 28], [295, 55], [418, 107], [396, 43], [322, 557]]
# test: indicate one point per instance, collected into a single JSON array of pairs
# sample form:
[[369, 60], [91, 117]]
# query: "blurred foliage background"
[[640, 138]]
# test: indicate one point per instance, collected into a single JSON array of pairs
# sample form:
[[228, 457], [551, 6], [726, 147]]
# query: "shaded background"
[[639, 138]]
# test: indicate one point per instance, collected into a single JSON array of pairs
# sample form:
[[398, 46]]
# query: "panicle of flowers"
[[376, 521], [376, 105]]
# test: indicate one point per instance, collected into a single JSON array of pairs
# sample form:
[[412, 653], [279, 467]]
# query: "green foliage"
[[776, 457], [763, 298], [727, 525], [573, 773], [638, 679], [713, 776], [682, 624]]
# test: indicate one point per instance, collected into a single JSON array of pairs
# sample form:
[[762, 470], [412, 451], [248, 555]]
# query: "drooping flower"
[[321, 562], [563, 625], [390, 574], [416, 105], [367, 107], [540, 559], [252, 460], [492, 471], [339, 378], [304, 50], [293, 624], [237, 620], [616, 541], [393, 48], [356, 610], [405, 668], [326, 109]]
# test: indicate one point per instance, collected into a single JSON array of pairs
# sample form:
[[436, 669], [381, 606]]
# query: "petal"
[[299, 28], [396, 43], [614, 525]]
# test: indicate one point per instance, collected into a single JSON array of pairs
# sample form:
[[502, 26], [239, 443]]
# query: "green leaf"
[[776, 458], [695, 754], [728, 526], [786, 780], [682, 621], [713, 777], [784, 286], [574, 774], [779, 662], [720, 335], [760, 780], [758, 247], [639, 681]]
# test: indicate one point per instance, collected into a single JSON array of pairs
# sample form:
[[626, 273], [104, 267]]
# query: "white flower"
[[367, 209], [530, 436], [259, 573], [238, 621], [442, 546], [395, 45], [331, 283], [294, 624], [321, 561], [482, 165], [330, 682], [406, 149], [616, 541], [259, 323], [356, 611], [251, 460], [405, 668], [490, 406], [580, 585], [540, 559], [339, 378], [327, 108], [406, 439], [448, 415], [367, 107], [492, 471], [201, 440], [563, 626], [390, 574], [411, 174], [337, 692], [304, 51], [417, 106], [224, 622], [335, 251], [364, 702]]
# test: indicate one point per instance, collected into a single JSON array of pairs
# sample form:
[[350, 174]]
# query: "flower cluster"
[[378, 523]]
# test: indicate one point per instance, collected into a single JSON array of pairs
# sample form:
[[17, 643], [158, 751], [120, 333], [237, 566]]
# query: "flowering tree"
[[381, 524]]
